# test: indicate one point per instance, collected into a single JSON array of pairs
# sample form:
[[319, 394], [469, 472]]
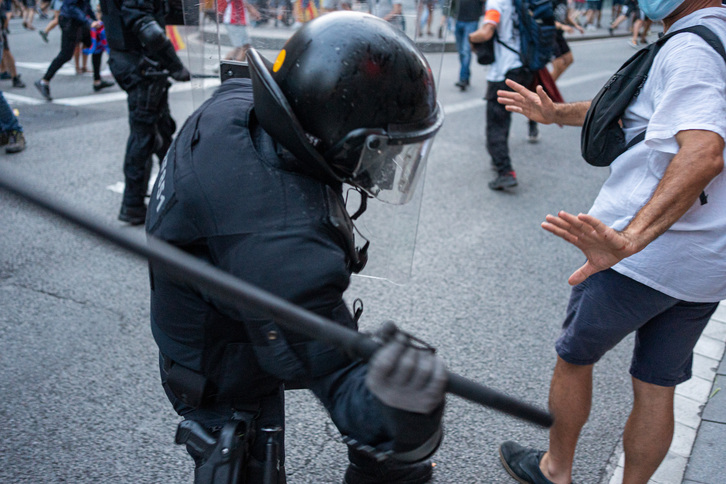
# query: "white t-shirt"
[[686, 89], [504, 59]]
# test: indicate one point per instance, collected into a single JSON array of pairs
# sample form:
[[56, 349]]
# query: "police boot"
[[364, 469]]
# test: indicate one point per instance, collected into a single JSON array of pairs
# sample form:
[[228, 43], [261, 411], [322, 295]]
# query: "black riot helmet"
[[353, 97]]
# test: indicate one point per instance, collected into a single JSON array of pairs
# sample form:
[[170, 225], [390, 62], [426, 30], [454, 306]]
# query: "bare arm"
[[484, 33], [698, 161], [538, 106]]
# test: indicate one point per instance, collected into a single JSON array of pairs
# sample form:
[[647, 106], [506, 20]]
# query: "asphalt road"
[[80, 400]]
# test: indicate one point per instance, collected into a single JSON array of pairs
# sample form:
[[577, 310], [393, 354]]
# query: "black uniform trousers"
[[151, 126]]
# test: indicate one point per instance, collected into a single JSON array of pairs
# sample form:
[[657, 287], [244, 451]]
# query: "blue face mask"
[[658, 9]]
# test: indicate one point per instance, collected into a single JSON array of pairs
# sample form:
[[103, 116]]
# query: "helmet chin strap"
[[362, 251], [363, 203]]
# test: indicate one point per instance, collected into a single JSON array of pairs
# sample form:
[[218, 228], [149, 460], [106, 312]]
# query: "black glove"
[[406, 377], [181, 75]]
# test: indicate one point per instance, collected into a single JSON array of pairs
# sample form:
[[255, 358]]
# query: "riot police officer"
[[141, 60], [253, 184]]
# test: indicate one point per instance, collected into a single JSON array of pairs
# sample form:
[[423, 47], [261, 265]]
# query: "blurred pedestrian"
[[232, 15], [564, 22], [55, 6], [28, 14], [76, 18], [11, 132], [468, 14], [500, 19], [389, 10]]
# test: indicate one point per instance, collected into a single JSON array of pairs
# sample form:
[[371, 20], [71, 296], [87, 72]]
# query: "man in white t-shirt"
[[500, 18], [655, 241]]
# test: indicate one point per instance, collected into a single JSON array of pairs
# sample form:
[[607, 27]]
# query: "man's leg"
[[570, 400], [649, 431]]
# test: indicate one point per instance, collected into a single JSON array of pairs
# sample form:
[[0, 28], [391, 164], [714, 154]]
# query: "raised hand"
[[603, 246], [537, 106]]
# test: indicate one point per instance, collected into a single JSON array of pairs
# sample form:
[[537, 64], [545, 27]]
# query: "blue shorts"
[[594, 4], [609, 306]]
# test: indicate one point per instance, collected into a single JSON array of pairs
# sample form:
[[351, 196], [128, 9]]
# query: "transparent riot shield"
[[214, 31]]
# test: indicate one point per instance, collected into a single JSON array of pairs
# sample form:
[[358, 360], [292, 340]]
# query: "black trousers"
[[151, 128], [499, 120], [73, 32]]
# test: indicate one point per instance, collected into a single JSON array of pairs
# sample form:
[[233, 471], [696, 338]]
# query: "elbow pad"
[[153, 37], [150, 34]]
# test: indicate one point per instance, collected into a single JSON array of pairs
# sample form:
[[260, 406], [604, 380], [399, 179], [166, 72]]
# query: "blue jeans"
[[461, 33], [8, 121]]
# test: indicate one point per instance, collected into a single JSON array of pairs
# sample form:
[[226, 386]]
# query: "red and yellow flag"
[[172, 32]]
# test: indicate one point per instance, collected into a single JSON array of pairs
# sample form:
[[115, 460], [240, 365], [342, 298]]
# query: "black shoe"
[[5, 75], [16, 142], [4, 138], [43, 35], [502, 181], [389, 472], [132, 215], [522, 463], [17, 82], [462, 85], [101, 85], [533, 136], [44, 90]]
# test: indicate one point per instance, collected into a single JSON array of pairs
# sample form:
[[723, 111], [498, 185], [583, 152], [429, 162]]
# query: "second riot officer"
[[141, 60]]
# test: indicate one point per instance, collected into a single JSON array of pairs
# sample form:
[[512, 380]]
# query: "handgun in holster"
[[224, 458]]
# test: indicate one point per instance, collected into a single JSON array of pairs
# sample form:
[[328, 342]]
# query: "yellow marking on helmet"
[[278, 62]]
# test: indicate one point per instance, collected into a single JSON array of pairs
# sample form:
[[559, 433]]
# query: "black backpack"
[[602, 139]]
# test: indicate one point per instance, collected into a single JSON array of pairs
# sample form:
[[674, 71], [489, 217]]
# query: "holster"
[[223, 459]]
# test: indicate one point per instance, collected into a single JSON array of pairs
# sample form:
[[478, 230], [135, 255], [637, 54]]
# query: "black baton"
[[236, 291]]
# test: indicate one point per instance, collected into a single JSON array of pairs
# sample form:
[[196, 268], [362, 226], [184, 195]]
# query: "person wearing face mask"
[[654, 241]]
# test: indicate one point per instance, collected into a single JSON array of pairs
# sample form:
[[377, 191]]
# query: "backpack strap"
[[707, 35], [702, 31], [638, 138]]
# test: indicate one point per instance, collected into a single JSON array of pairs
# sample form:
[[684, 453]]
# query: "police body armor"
[[295, 202]]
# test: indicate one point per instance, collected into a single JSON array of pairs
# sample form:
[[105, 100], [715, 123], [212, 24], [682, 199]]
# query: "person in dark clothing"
[[76, 19], [253, 184], [141, 60], [467, 21]]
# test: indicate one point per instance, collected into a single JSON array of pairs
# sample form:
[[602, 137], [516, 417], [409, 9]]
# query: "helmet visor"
[[390, 170]]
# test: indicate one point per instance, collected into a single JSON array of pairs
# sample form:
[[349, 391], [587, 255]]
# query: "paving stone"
[[720, 313], [707, 460], [715, 410], [704, 367], [716, 329], [687, 411], [683, 439], [671, 470], [711, 347], [696, 389]]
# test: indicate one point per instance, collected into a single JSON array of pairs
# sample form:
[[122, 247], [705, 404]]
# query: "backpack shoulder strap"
[[702, 31]]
